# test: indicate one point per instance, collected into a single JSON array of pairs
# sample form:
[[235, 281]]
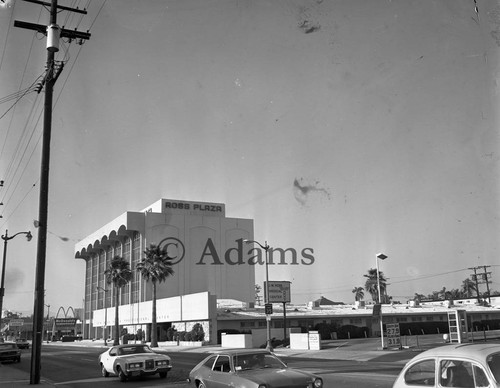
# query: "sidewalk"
[[358, 350]]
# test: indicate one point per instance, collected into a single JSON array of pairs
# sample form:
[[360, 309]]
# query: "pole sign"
[[268, 308], [65, 322], [393, 335], [279, 292]]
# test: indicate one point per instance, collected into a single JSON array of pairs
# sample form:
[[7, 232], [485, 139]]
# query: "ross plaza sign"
[[238, 255]]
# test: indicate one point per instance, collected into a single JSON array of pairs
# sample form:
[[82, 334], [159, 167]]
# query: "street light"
[[380, 256], [266, 299], [105, 315], [6, 238]]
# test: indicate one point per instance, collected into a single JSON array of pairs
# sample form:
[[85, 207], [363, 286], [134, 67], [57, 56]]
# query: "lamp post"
[[380, 256], [105, 315], [266, 299], [6, 238]]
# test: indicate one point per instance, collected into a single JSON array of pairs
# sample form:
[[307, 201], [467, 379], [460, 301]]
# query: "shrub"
[[197, 332], [171, 334]]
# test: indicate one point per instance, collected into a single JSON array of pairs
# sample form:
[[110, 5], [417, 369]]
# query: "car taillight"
[[318, 383]]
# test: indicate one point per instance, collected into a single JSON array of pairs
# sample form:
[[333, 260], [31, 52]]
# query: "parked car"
[[130, 360], [9, 352], [457, 365], [249, 368], [22, 343]]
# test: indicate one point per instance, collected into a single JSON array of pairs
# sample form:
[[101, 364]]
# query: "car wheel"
[[201, 385], [122, 376], [104, 372], [19, 359], [163, 375]]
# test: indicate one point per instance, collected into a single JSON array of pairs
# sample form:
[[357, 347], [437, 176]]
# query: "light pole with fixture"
[[105, 315], [380, 256], [6, 238], [268, 306]]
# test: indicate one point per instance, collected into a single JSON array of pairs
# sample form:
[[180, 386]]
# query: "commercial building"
[[210, 261]]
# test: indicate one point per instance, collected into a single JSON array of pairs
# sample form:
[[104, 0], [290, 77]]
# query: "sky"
[[349, 127]]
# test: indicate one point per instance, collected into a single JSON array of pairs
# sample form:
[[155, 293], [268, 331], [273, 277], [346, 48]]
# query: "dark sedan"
[[22, 343], [249, 368]]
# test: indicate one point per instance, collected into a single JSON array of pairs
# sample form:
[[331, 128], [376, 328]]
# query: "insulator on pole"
[[53, 35]]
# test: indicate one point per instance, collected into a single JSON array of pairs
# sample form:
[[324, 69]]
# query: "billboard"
[[279, 292]]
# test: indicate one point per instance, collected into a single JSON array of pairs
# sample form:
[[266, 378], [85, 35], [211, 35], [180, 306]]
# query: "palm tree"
[[468, 287], [371, 284], [358, 293], [156, 267], [119, 274]]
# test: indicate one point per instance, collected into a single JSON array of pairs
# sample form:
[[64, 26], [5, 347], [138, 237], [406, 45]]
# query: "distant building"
[[210, 261]]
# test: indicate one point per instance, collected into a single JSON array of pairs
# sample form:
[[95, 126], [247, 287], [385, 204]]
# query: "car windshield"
[[134, 350], [7, 346], [257, 361]]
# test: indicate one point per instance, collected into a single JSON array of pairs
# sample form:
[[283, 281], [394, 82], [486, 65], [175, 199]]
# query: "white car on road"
[[458, 365], [131, 360]]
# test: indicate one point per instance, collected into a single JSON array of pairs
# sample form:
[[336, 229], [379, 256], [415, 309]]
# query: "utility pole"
[[486, 280], [474, 277], [53, 32]]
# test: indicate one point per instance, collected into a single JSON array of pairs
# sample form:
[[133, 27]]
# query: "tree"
[[453, 294], [358, 293], [371, 284], [468, 287], [155, 267], [119, 274], [418, 297]]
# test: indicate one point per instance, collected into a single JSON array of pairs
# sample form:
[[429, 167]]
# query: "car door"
[[221, 375], [455, 372]]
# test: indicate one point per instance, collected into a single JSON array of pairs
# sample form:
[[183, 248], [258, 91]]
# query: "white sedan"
[[458, 365], [133, 360]]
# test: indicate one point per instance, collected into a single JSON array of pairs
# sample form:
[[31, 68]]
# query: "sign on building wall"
[[279, 292]]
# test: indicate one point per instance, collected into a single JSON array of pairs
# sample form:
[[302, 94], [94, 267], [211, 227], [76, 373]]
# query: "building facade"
[[209, 258]]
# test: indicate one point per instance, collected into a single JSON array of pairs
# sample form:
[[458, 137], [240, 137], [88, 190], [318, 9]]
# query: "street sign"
[[268, 308], [279, 292]]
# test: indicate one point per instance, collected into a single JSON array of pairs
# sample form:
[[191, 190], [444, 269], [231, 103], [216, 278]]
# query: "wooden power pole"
[[53, 32]]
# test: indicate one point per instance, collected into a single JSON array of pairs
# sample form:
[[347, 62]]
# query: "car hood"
[[292, 377]]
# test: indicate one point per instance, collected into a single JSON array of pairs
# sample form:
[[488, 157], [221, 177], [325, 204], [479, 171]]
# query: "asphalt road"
[[69, 366]]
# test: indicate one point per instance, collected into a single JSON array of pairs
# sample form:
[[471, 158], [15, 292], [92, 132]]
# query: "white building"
[[210, 261]]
